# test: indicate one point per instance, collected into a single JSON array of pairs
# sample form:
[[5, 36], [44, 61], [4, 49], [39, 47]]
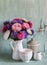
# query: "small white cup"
[[37, 55], [25, 54]]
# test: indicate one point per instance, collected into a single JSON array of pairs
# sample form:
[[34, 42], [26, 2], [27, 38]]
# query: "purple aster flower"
[[25, 33], [8, 27], [6, 22], [14, 35], [32, 32], [17, 20]]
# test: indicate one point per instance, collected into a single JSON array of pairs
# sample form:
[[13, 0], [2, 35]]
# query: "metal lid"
[[33, 42]]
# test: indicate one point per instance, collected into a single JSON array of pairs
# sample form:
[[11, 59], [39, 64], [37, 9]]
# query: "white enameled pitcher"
[[16, 45]]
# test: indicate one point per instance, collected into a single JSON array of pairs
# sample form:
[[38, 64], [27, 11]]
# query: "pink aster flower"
[[16, 27], [25, 26]]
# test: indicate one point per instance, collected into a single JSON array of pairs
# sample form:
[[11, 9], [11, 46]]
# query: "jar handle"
[[11, 44]]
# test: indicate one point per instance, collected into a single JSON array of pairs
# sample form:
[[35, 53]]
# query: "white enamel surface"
[[37, 56]]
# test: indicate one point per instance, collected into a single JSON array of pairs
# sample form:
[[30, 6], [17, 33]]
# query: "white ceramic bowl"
[[25, 54]]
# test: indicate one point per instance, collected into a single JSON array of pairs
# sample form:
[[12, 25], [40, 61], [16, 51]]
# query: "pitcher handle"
[[11, 44]]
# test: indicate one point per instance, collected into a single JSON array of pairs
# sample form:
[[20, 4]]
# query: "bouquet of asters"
[[17, 29]]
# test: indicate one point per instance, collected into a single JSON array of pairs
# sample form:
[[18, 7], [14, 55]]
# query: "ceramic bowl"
[[25, 54]]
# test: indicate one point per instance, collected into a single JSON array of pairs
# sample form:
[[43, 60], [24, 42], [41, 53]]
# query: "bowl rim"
[[24, 50]]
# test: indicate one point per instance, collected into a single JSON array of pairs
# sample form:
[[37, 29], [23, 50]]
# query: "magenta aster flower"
[[30, 24], [3, 29], [20, 35]]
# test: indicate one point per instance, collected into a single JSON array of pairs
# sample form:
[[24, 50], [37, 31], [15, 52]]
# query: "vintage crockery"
[[37, 55], [17, 46], [33, 44], [25, 54]]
